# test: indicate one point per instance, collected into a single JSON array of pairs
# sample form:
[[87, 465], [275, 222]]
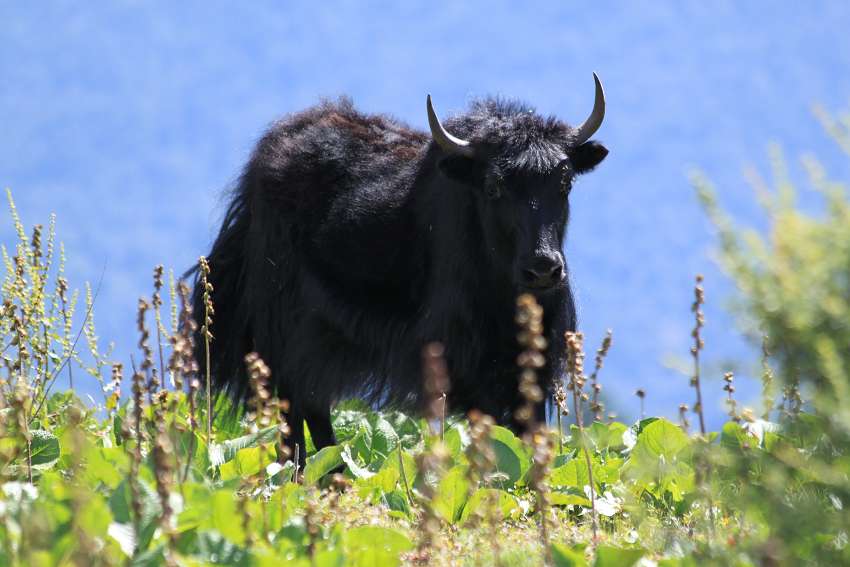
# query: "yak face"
[[520, 168], [523, 211]]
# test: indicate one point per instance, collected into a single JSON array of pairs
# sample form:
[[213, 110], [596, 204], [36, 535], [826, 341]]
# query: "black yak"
[[352, 240]]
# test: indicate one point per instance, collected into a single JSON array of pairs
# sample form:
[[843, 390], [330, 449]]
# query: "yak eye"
[[493, 190], [493, 187]]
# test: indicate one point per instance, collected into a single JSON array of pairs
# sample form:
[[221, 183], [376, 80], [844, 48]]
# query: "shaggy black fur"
[[352, 240]]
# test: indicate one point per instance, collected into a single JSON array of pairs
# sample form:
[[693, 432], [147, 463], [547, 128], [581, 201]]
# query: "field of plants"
[[157, 472]]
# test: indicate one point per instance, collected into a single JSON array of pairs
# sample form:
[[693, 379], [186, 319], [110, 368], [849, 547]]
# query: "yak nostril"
[[530, 276], [543, 272]]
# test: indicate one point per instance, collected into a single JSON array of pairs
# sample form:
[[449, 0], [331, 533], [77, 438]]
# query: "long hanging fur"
[[345, 249]]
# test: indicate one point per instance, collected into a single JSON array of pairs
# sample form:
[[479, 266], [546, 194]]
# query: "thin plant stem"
[[699, 344], [404, 478], [575, 369], [205, 330], [443, 417], [157, 303]]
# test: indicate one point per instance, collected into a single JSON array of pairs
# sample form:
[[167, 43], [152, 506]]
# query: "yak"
[[352, 240]]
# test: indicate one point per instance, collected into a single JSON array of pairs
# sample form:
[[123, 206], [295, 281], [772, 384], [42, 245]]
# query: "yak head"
[[519, 168]]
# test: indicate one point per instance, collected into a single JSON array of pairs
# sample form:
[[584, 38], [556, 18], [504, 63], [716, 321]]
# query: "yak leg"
[[321, 432], [295, 440]]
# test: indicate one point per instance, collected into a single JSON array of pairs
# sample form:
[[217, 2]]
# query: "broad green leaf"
[[285, 502], [385, 480], [607, 556], [247, 462], [373, 546], [398, 503], [453, 443], [568, 499], [45, 448], [224, 515], [512, 458], [220, 453], [409, 464], [452, 494], [359, 472], [563, 556], [492, 503], [194, 513], [659, 461], [662, 438], [407, 428], [120, 505], [574, 473], [322, 463], [108, 466], [348, 423], [94, 517], [733, 436], [384, 438]]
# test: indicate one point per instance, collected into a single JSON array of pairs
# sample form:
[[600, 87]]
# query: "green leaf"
[[453, 443], [322, 463], [398, 504], [571, 474], [120, 506], [563, 556], [247, 462], [733, 436], [45, 448], [408, 462], [659, 461], [501, 504], [108, 466], [220, 453], [568, 499], [452, 494], [378, 483], [662, 438], [607, 435], [347, 423], [384, 438], [607, 556], [223, 515], [372, 546], [574, 474], [408, 429], [359, 472], [512, 459], [309, 446]]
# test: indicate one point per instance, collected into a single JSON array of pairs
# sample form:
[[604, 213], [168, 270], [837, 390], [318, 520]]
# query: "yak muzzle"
[[542, 272]]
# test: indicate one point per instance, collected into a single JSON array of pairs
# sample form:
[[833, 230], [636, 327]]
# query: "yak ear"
[[462, 169], [587, 156]]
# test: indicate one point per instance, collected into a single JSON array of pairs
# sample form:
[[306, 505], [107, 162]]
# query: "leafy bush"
[[795, 297]]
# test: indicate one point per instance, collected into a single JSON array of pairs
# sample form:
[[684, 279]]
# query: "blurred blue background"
[[129, 120]]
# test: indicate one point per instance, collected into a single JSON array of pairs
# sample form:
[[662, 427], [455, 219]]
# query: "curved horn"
[[594, 121], [445, 140]]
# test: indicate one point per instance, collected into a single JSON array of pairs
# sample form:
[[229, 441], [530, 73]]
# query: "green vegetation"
[[142, 479]]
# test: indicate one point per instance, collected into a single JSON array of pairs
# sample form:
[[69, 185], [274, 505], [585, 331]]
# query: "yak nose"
[[543, 271]]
